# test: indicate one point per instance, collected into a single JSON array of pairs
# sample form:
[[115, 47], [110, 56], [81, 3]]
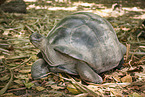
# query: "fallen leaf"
[[14, 87], [113, 85], [25, 71], [82, 95], [20, 76], [12, 64], [4, 78], [18, 82], [6, 32], [127, 78], [29, 85], [39, 88], [93, 88], [116, 92], [73, 89], [135, 95], [57, 87]]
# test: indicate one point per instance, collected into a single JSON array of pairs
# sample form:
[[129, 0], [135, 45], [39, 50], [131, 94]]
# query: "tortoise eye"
[[38, 36]]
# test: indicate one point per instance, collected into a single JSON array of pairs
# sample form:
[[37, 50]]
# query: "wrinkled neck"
[[44, 44], [50, 55]]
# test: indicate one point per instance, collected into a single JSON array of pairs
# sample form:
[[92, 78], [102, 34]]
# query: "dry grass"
[[19, 54]]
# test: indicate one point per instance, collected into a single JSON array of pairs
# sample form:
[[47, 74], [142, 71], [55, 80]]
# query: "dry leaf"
[[82, 95], [57, 87], [20, 76], [116, 93], [93, 88], [25, 71], [127, 78], [4, 78], [113, 85], [135, 95], [72, 89], [29, 85], [14, 87], [18, 81], [39, 88]]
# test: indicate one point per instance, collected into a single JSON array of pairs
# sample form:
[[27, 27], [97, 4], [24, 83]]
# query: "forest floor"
[[17, 54]]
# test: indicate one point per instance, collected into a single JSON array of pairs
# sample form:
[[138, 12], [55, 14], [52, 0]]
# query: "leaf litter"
[[19, 54]]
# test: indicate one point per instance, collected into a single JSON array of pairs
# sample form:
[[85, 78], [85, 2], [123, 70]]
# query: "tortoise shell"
[[89, 38]]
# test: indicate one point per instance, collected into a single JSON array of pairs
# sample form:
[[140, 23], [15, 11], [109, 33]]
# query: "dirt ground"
[[17, 54]]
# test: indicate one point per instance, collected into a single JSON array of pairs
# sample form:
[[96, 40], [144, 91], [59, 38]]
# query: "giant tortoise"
[[83, 44]]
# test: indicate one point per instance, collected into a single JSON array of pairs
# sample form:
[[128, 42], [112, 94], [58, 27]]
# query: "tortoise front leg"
[[87, 74], [39, 69]]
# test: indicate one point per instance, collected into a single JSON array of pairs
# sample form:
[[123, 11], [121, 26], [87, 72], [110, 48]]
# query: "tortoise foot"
[[87, 74], [39, 69]]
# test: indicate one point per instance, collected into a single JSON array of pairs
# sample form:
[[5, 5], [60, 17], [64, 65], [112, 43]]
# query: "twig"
[[10, 81], [17, 89], [18, 57], [30, 28], [127, 51], [4, 50], [22, 64], [133, 53], [137, 53], [142, 47]]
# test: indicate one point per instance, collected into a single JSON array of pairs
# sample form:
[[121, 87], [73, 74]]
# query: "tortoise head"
[[38, 40], [41, 42]]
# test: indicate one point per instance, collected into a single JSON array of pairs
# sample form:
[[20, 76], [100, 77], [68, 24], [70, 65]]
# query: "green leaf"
[[29, 85]]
